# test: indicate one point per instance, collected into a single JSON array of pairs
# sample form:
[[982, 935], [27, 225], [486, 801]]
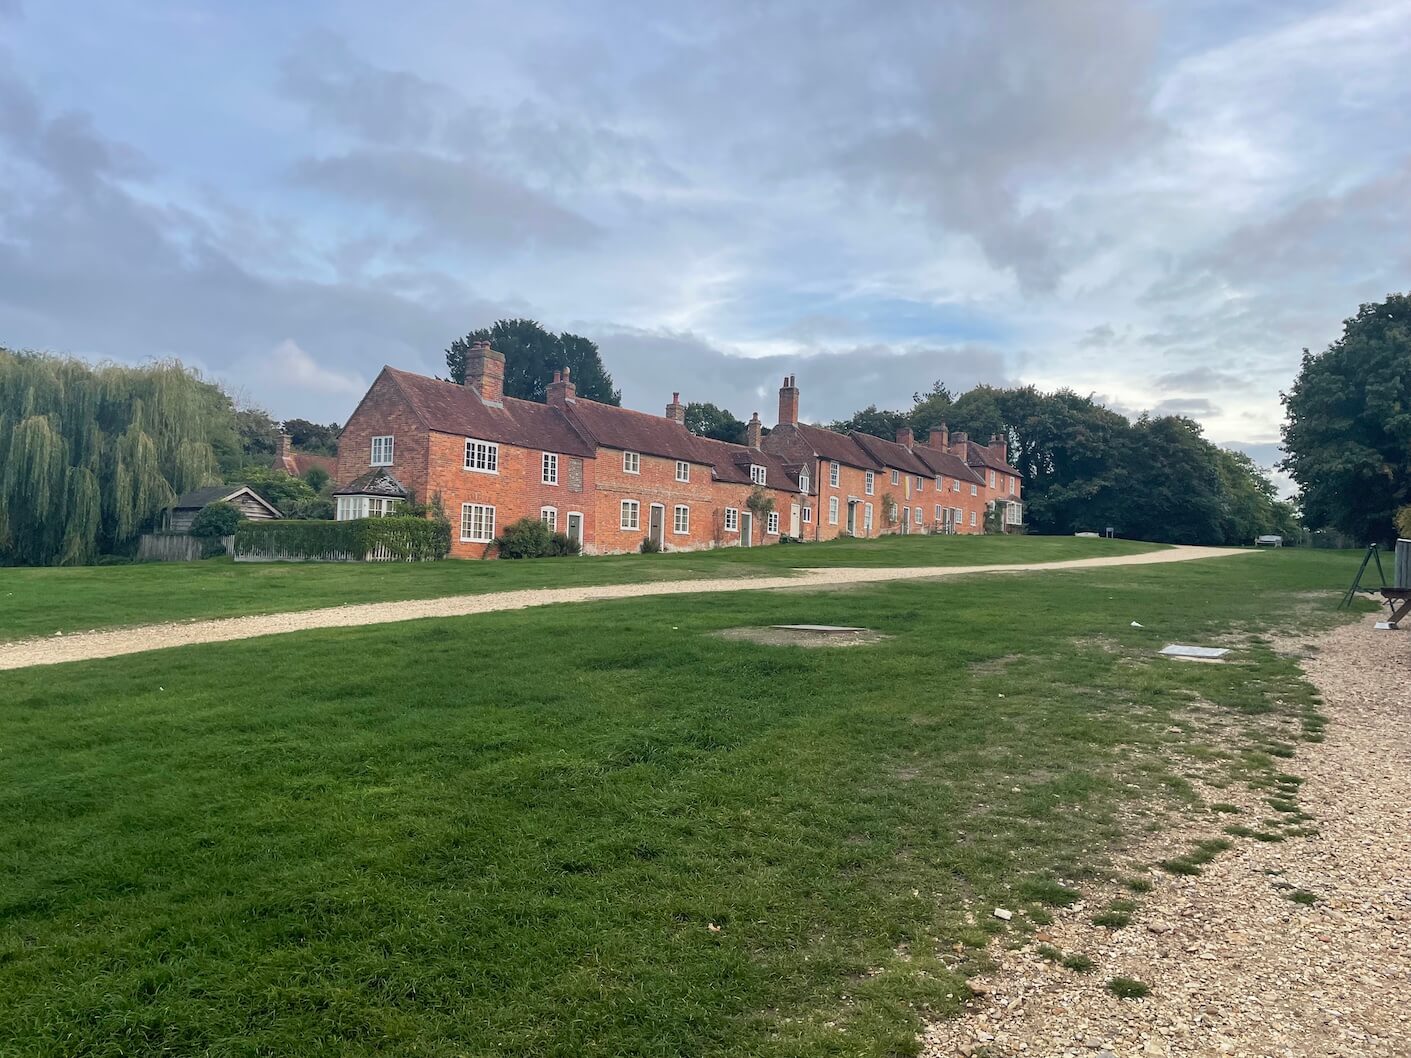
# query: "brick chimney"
[[754, 429], [999, 445], [788, 401], [676, 411], [905, 437], [283, 445], [561, 390], [941, 442], [959, 442], [485, 372]]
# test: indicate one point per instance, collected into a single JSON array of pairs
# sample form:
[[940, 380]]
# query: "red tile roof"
[[732, 462], [890, 454], [983, 456], [300, 463], [798, 442], [634, 431], [948, 465], [446, 407]]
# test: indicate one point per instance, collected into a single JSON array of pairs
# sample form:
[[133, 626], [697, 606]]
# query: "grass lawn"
[[601, 830], [36, 602]]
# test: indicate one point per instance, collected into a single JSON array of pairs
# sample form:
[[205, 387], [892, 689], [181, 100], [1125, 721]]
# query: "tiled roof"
[[300, 463], [944, 463], [732, 463], [634, 431], [795, 441], [979, 455], [198, 498], [376, 482], [890, 454], [450, 408]]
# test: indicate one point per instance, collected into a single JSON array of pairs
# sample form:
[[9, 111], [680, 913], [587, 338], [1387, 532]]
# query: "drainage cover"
[[1180, 650], [818, 628]]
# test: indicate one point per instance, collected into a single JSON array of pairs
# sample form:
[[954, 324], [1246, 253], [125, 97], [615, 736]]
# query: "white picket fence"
[[379, 553]]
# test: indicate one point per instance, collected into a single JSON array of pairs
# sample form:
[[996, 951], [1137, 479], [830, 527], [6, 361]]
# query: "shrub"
[[1403, 523], [317, 478], [649, 546], [560, 546], [526, 538], [406, 539], [215, 520], [1127, 988]]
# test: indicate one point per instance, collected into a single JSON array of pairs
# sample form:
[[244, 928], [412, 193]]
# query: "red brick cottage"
[[609, 477]]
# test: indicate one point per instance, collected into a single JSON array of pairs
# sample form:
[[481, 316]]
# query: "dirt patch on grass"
[[793, 637]]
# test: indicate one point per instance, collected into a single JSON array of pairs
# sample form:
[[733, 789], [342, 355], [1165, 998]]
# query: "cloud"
[[292, 366], [1190, 407]]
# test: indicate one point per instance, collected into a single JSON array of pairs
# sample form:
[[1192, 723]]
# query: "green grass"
[[598, 830], [1304, 897], [1078, 962], [39, 602]]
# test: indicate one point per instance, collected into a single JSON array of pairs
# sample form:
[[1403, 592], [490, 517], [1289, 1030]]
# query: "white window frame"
[[896, 477], [972, 518], [758, 474], [681, 520], [550, 517], [804, 482], [482, 457], [485, 533], [867, 517], [974, 490], [832, 510], [920, 483], [917, 517], [869, 482], [833, 474], [955, 484], [940, 483], [939, 516], [807, 515], [683, 470], [992, 479], [771, 523], [633, 524], [732, 520], [386, 443], [549, 468], [631, 462]]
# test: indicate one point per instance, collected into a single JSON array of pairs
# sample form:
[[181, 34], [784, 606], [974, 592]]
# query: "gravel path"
[[88, 645], [1235, 966]]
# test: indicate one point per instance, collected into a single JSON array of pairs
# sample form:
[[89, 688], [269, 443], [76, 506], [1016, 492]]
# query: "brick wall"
[[382, 412], [654, 483], [852, 482]]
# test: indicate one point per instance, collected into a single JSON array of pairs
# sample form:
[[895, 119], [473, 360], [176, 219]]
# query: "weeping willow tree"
[[90, 456]]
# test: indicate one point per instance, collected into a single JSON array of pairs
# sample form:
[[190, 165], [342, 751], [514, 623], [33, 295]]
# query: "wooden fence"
[[174, 547], [1402, 577]]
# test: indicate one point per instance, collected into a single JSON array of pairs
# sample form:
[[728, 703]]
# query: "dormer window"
[[757, 474], [803, 482]]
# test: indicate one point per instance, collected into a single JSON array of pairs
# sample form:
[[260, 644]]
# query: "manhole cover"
[[806, 636]]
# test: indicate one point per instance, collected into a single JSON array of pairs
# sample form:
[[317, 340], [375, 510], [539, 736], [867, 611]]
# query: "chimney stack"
[[561, 390], [999, 444], [788, 402], [905, 437], [943, 442], [754, 429], [485, 372], [676, 411], [959, 444], [284, 445]]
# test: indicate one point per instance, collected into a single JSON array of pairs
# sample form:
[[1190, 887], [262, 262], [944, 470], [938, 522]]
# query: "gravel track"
[[86, 646], [1236, 968]]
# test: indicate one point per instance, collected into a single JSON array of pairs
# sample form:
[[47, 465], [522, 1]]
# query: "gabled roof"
[[795, 441], [634, 431], [945, 464], [732, 463], [979, 455], [447, 407], [890, 454], [208, 494], [376, 482]]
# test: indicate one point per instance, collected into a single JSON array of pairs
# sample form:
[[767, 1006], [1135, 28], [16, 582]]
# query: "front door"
[[852, 517], [746, 529], [794, 521], [573, 527], [656, 528]]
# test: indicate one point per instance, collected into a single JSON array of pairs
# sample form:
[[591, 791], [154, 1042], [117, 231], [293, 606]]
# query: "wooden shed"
[[181, 514]]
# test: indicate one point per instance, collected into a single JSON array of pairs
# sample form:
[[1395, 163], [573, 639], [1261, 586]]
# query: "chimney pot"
[[560, 391], [676, 411]]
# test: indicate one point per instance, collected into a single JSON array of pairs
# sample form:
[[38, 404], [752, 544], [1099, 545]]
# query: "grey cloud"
[[651, 365], [1191, 407], [451, 201], [1198, 378]]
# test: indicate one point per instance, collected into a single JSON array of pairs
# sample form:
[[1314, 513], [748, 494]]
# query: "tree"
[[874, 421], [706, 420], [930, 409], [90, 455], [311, 437], [1348, 427], [294, 497], [532, 355], [215, 520]]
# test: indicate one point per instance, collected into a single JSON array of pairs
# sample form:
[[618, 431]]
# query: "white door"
[[794, 520]]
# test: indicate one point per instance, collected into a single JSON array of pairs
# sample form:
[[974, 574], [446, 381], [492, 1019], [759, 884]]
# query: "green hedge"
[[407, 539]]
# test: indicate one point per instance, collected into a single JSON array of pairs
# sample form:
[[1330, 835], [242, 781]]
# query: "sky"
[[1160, 204]]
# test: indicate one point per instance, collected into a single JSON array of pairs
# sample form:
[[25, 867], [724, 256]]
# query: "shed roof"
[[208, 494]]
